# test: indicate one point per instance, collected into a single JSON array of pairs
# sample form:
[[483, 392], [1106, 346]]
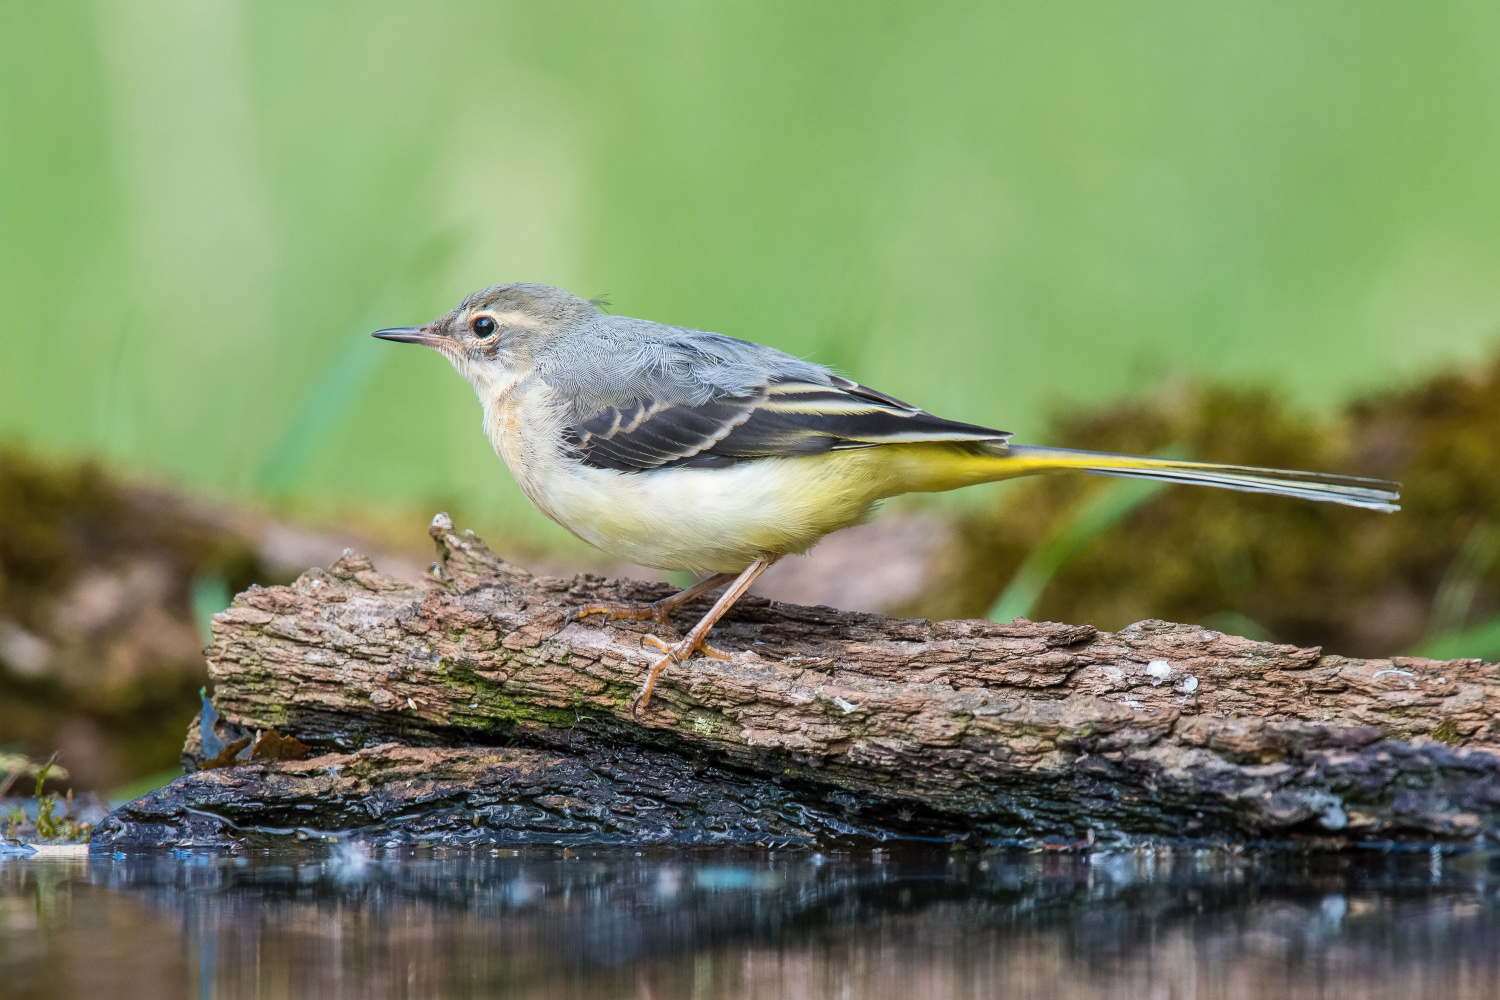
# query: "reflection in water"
[[617, 923]]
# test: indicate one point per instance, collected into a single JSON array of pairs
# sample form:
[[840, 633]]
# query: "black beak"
[[410, 335]]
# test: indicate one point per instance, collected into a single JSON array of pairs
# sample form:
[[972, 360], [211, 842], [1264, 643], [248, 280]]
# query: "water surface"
[[621, 923]]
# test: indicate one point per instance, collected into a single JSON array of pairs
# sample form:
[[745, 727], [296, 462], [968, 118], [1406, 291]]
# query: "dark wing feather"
[[784, 418], [647, 435]]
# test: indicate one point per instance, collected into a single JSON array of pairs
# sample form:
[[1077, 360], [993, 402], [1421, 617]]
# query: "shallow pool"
[[655, 924]]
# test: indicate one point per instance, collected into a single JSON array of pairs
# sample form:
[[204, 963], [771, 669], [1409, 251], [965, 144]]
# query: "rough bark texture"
[[823, 724]]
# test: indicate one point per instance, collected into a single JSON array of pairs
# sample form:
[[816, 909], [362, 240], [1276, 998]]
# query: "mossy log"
[[513, 722]]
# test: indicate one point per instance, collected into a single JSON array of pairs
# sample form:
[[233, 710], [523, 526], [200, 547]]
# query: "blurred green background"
[[995, 210], [1255, 232]]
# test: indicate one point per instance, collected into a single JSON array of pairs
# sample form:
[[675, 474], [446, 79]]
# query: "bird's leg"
[[696, 640], [657, 611]]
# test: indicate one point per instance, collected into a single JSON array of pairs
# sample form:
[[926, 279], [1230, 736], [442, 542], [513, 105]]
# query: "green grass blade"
[[331, 397], [1480, 642], [1455, 595], [208, 594], [1071, 535]]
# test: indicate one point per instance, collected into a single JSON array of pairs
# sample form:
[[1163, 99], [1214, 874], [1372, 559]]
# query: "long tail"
[[1373, 494]]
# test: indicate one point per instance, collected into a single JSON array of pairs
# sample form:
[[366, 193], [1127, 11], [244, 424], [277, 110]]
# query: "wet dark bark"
[[824, 724]]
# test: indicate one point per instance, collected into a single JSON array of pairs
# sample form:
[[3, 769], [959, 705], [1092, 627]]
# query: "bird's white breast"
[[696, 519]]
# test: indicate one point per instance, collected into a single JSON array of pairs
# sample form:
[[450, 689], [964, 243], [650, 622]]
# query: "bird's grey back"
[[615, 360]]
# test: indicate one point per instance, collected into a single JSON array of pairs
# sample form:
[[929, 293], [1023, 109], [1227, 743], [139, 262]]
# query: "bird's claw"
[[629, 612], [675, 652], [686, 648]]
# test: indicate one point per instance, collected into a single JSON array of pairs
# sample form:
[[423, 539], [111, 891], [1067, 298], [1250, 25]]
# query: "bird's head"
[[493, 335]]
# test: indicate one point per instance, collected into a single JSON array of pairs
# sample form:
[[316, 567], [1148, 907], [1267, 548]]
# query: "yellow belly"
[[704, 520], [719, 520]]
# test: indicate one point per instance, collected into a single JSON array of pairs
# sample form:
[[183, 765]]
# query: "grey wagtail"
[[694, 451]]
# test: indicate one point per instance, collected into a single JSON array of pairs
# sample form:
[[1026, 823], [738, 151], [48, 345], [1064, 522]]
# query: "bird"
[[686, 450]]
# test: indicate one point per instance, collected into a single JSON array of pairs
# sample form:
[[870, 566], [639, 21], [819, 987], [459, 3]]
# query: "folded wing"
[[785, 417]]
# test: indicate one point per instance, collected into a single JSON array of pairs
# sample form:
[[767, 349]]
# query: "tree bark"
[[823, 725]]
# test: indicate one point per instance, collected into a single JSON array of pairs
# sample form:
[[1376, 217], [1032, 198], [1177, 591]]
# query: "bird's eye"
[[483, 326]]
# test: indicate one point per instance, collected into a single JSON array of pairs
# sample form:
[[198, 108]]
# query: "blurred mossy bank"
[[997, 211], [1424, 580]]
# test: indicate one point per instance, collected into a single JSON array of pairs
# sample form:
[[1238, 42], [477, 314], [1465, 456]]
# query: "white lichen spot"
[[1190, 685], [1159, 670], [702, 726], [847, 706]]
